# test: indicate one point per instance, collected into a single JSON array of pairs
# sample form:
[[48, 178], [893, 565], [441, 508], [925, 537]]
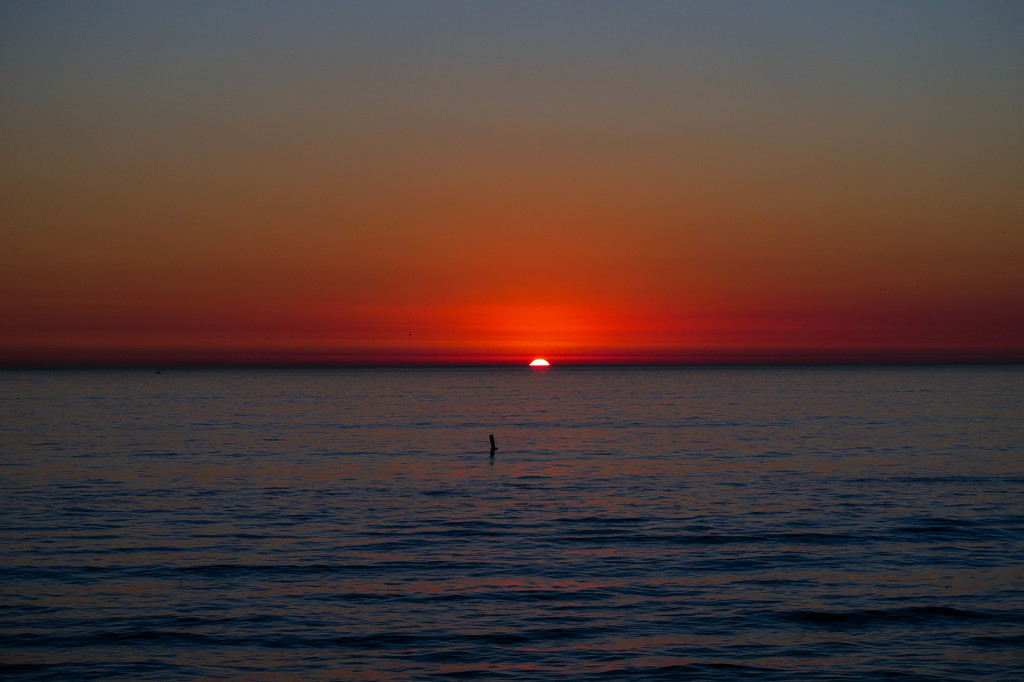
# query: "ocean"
[[748, 523]]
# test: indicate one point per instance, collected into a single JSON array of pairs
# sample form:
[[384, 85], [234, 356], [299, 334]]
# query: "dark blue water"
[[720, 524]]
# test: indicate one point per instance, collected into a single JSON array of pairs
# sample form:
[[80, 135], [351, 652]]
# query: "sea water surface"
[[682, 523]]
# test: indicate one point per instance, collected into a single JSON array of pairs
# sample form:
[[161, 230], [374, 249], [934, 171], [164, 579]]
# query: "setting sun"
[[540, 362]]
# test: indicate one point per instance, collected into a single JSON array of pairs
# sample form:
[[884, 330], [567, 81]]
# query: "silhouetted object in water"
[[493, 446]]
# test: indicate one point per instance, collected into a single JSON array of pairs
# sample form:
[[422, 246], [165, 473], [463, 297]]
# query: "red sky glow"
[[408, 183]]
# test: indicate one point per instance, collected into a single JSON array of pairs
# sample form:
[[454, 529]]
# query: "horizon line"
[[198, 357], [452, 363]]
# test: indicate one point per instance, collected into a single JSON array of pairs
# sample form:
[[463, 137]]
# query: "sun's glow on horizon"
[[540, 362]]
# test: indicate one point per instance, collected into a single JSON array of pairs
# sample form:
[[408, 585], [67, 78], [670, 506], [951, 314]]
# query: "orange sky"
[[461, 182]]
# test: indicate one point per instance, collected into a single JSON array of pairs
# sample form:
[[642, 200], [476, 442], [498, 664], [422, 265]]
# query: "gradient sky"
[[235, 181]]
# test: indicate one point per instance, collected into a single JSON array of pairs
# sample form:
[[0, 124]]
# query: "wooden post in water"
[[493, 446]]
